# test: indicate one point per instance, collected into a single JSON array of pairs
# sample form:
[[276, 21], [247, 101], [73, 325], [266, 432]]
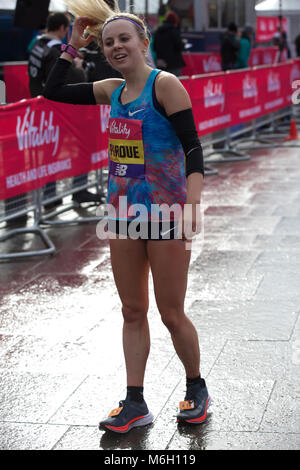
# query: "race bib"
[[126, 149]]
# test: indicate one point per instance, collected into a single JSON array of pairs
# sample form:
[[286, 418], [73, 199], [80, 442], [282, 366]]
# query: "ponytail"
[[102, 13], [98, 10]]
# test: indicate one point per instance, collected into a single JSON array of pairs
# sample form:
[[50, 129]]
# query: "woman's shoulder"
[[165, 79], [170, 93]]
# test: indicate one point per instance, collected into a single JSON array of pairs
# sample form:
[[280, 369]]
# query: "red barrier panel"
[[16, 81], [267, 26], [198, 63], [210, 107], [43, 141], [225, 99], [244, 95], [16, 75]]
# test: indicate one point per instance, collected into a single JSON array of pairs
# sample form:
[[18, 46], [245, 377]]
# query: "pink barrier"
[[225, 99], [198, 63], [16, 81], [43, 141], [16, 76]]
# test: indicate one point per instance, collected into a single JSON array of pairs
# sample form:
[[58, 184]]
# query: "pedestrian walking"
[[155, 158]]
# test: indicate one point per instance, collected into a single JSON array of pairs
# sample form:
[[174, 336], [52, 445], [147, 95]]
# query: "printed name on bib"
[[126, 149]]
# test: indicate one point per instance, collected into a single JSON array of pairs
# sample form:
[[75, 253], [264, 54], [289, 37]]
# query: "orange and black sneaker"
[[130, 414], [193, 409]]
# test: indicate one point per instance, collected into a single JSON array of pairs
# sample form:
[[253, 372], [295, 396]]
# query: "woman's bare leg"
[[169, 261], [131, 272]]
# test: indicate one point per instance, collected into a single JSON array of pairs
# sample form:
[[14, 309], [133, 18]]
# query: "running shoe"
[[193, 409], [130, 414]]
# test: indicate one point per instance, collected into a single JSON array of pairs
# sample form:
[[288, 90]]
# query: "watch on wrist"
[[69, 49]]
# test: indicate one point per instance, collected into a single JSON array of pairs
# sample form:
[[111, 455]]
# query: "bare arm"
[[172, 95], [81, 93]]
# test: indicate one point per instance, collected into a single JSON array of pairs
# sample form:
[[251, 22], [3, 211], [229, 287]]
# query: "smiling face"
[[122, 46]]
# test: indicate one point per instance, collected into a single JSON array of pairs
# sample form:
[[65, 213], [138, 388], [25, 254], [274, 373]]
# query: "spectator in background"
[[229, 47], [280, 40], [42, 57], [168, 45], [244, 49], [162, 11], [96, 65], [297, 44]]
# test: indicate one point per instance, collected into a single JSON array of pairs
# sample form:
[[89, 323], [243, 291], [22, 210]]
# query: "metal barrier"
[[263, 131], [17, 209], [227, 153], [271, 139], [69, 187]]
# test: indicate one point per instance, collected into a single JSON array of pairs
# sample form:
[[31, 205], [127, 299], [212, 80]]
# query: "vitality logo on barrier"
[[104, 116], [273, 82], [30, 135], [214, 95], [212, 64], [250, 89]]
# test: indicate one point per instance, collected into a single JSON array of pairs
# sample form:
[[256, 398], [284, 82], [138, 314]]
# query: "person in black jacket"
[[168, 45], [297, 44], [46, 50], [42, 57], [230, 47]]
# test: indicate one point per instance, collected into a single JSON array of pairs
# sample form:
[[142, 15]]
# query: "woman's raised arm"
[[56, 88]]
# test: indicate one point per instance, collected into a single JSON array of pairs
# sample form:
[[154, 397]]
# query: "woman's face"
[[122, 46]]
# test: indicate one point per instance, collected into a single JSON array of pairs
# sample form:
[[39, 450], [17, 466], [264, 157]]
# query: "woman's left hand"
[[191, 217], [191, 223]]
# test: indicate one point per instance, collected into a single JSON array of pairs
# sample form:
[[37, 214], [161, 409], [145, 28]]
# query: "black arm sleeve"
[[57, 90], [184, 126]]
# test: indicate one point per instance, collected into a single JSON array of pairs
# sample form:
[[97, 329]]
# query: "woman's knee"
[[172, 318], [134, 313]]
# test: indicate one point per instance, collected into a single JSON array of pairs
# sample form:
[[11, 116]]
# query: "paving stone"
[[256, 360], [34, 398], [283, 409], [288, 225], [195, 439], [28, 436], [227, 263], [61, 359], [275, 284], [246, 320]]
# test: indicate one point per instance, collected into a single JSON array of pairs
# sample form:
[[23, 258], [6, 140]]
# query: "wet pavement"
[[61, 362]]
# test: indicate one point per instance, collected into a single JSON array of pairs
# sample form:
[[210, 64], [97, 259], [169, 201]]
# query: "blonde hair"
[[101, 13]]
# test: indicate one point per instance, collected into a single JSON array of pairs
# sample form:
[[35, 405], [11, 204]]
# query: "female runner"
[[155, 158]]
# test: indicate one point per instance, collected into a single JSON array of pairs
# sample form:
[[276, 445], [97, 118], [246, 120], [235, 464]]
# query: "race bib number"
[[126, 149]]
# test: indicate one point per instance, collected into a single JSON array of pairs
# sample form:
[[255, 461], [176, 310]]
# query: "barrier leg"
[[83, 215], [226, 154], [210, 171], [35, 229], [264, 143]]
